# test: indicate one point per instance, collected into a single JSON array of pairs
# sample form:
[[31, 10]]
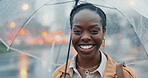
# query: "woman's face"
[[87, 32]]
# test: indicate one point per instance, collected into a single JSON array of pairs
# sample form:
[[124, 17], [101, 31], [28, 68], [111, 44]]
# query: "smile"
[[86, 46]]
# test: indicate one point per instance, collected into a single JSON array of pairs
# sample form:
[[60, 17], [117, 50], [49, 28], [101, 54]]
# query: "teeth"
[[86, 46]]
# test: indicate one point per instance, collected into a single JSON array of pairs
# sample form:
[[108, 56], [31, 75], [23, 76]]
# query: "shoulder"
[[60, 70], [128, 73], [111, 65]]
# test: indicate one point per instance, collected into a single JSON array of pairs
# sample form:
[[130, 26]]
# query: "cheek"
[[75, 39], [98, 39]]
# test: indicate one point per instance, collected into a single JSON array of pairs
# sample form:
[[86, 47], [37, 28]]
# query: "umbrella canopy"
[[36, 34]]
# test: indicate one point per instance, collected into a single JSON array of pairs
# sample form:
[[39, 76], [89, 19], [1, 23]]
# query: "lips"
[[86, 48]]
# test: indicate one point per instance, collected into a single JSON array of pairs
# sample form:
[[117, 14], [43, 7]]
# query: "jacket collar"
[[110, 70], [62, 68]]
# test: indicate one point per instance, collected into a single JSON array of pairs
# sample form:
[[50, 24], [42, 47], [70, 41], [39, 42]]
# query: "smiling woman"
[[88, 24]]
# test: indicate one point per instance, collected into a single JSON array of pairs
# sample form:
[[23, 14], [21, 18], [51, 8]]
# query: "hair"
[[91, 7]]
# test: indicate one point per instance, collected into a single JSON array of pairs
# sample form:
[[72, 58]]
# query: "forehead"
[[86, 15]]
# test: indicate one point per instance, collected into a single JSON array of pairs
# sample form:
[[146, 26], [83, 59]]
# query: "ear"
[[72, 44], [104, 31]]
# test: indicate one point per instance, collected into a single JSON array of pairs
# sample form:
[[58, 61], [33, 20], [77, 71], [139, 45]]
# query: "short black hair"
[[91, 7]]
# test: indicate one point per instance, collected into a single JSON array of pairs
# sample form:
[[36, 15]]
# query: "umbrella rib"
[[101, 5], [104, 6], [26, 53], [59, 3], [144, 61], [33, 56], [5, 44]]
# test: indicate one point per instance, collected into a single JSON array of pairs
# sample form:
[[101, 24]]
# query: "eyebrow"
[[77, 26], [94, 25]]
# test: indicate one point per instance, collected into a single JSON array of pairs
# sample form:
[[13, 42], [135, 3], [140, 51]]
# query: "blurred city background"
[[34, 35]]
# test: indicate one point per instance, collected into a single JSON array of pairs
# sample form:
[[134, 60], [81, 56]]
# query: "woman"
[[88, 24]]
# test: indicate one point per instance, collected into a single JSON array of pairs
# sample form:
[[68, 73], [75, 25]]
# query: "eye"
[[94, 31], [77, 32]]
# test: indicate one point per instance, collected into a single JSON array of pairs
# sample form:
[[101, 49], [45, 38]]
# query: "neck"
[[89, 62]]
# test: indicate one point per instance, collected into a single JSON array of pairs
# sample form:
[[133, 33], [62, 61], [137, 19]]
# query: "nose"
[[85, 37]]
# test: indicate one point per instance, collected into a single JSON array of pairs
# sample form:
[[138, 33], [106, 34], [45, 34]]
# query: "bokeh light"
[[25, 7], [12, 25]]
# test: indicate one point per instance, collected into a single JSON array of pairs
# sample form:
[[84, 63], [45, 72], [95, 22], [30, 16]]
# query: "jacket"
[[110, 70]]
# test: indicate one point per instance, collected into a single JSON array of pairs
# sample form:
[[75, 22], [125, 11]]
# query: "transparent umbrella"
[[36, 35]]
